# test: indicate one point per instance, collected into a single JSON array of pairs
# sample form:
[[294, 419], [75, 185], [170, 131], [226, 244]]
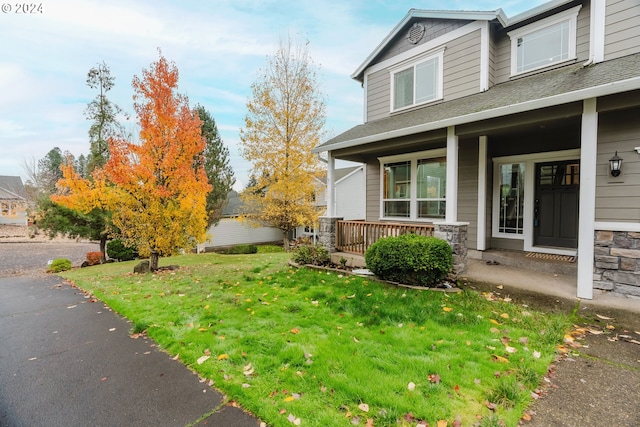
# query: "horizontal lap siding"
[[373, 190], [618, 201], [378, 95], [582, 33], [351, 197], [622, 28], [502, 58], [468, 189], [462, 67]]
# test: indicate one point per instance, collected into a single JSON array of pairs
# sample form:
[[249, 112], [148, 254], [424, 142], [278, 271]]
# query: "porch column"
[[451, 213], [587, 207], [481, 243], [331, 164]]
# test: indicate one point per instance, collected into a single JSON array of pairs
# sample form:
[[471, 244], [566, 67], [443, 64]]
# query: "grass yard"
[[313, 348]]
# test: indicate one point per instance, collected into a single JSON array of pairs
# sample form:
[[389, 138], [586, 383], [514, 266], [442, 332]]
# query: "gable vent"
[[415, 33]]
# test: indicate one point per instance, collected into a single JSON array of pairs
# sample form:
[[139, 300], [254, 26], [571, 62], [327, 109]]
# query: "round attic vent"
[[415, 33]]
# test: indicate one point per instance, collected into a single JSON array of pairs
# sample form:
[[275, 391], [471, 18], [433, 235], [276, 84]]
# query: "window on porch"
[[414, 188]]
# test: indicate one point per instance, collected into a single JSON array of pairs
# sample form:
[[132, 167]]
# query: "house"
[[349, 185], [231, 230], [13, 201], [519, 133]]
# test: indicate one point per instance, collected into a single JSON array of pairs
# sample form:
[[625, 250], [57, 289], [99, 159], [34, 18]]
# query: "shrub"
[[60, 264], [94, 258], [116, 249], [311, 254], [410, 259], [241, 249]]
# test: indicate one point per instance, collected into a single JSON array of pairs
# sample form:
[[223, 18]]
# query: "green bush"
[[241, 249], [410, 259], [311, 254], [60, 264], [116, 249]]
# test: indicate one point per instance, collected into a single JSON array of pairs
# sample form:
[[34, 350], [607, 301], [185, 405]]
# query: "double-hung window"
[[418, 82], [414, 186], [544, 43]]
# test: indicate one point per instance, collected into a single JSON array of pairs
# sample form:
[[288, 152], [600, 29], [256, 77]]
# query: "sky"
[[218, 47]]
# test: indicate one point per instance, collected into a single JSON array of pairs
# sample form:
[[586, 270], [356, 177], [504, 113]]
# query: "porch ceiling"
[[561, 88]]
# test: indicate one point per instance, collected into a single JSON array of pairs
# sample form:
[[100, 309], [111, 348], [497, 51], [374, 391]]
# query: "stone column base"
[[454, 233], [327, 234]]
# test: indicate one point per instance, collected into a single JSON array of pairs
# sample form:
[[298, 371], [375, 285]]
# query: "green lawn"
[[323, 349]]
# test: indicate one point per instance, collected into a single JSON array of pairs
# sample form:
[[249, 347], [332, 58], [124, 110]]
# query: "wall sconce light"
[[615, 164]]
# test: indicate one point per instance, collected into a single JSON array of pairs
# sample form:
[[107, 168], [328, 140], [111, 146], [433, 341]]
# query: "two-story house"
[[523, 132]]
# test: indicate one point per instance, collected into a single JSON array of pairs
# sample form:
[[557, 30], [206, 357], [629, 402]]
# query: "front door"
[[555, 220]]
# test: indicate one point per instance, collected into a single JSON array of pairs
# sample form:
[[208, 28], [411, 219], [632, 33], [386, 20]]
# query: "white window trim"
[[570, 15], [413, 204], [436, 53], [530, 161]]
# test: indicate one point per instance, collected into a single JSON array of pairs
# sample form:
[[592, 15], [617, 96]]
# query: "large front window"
[[414, 188], [541, 44], [419, 83]]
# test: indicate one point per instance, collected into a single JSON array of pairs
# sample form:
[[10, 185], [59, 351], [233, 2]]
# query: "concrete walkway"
[[68, 361]]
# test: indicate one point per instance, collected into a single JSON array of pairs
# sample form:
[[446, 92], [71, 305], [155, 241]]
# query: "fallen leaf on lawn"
[[457, 422], [603, 317], [456, 388], [510, 349], [352, 296], [434, 378], [494, 321], [202, 359], [524, 340], [489, 405], [536, 354], [494, 330], [477, 381], [442, 423], [447, 309], [411, 386], [283, 411], [355, 421], [289, 399], [504, 315], [176, 357], [500, 359], [355, 339], [369, 422], [245, 385], [293, 420], [363, 407], [295, 331], [223, 356]]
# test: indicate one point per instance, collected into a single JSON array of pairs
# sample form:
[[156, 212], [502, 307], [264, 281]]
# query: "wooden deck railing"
[[357, 236]]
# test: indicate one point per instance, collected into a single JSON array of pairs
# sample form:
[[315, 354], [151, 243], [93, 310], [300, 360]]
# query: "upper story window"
[[418, 82], [414, 186], [544, 43]]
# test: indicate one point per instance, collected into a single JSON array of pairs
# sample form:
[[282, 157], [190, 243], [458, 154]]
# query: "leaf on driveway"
[[603, 317], [72, 306], [112, 329]]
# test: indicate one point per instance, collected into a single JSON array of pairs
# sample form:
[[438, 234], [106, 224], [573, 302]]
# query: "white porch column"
[[331, 165], [481, 243], [586, 221], [451, 214]]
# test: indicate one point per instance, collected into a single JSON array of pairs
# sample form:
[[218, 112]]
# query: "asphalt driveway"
[[68, 360]]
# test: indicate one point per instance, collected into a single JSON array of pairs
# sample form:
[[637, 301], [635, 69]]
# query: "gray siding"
[[622, 31], [461, 76], [618, 199], [373, 189], [462, 67], [433, 28], [582, 32], [468, 189], [378, 95]]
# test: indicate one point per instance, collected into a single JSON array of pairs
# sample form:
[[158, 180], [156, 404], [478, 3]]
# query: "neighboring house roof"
[[234, 205], [13, 187], [555, 87]]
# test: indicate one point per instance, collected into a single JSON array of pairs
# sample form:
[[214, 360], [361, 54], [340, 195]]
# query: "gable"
[[417, 32], [12, 185]]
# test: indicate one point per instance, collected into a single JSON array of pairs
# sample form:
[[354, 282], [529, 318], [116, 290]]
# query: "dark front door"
[[555, 220]]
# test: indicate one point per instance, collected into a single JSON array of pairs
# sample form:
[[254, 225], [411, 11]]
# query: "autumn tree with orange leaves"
[[284, 122], [154, 191]]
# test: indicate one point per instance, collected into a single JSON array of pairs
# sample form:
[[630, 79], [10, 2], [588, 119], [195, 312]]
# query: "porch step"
[[522, 261]]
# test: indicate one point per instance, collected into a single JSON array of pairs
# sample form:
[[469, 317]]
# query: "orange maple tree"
[[156, 190]]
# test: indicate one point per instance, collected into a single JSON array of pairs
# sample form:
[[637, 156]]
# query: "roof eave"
[[579, 95]]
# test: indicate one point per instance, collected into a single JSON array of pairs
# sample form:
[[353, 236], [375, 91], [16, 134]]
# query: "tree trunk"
[[153, 265], [103, 247], [285, 243]]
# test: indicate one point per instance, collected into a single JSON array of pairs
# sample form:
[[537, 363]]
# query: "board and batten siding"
[[461, 77], [618, 199], [350, 196], [231, 231], [468, 189], [622, 28]]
